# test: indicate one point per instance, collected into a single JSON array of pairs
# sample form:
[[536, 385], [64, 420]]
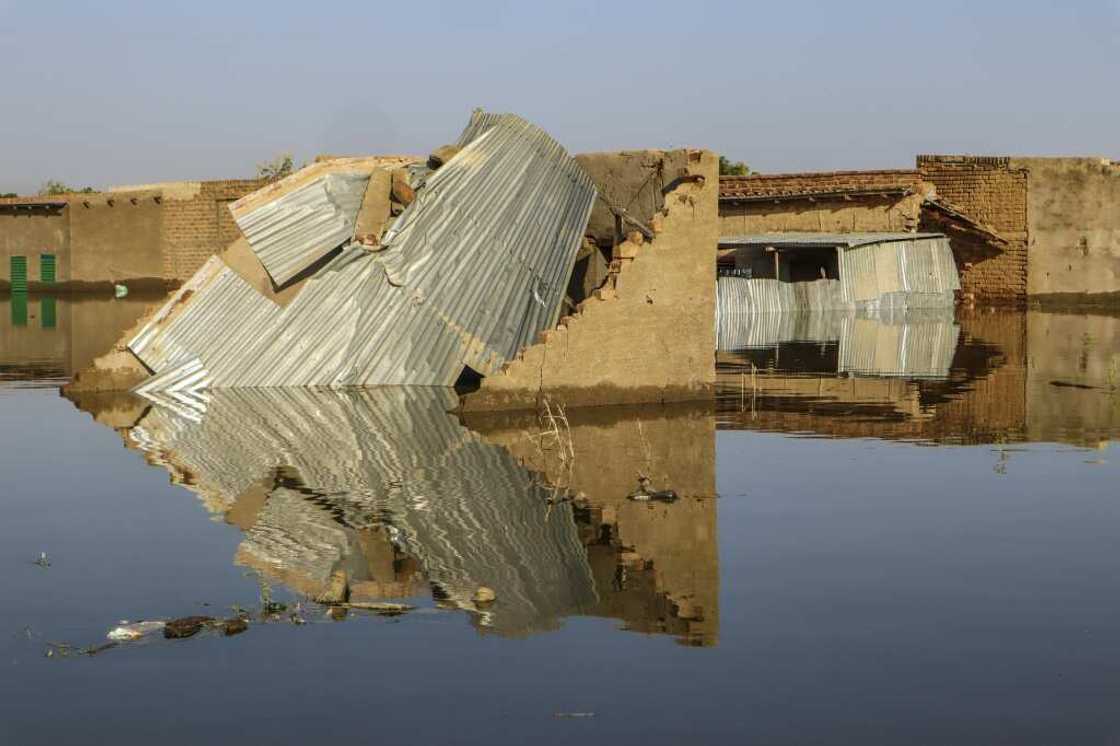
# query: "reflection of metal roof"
[[810, 240], [886, 342], [385, 457], [471, 271]]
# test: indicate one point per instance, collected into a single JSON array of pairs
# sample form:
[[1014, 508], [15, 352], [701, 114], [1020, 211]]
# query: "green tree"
[[733, 168], [277, 168], [53, 187]]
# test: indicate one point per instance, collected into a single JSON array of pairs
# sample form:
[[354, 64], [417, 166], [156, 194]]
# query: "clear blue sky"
[[125, 92]]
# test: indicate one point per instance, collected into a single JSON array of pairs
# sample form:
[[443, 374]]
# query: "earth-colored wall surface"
[[867, 215], [115, 239], [30, 233], [634, 180], [1074, 225]]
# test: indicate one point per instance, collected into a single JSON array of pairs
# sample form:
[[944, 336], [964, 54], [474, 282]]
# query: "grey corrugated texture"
[[917, 273], [294, 231], [907, 271], [470, 273], [381, 458], [488, 245], [910, 344]]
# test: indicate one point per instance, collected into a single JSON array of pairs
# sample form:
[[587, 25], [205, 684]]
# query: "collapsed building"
[[491, 255]]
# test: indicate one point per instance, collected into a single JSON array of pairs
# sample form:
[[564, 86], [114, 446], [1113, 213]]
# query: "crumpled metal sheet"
[[291, 233], [469, 274]]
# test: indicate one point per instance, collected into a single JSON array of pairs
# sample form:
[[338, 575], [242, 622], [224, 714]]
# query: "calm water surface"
[[886, 532]]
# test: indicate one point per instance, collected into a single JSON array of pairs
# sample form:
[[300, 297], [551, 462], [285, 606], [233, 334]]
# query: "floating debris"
[[128, 631], [188, 626], [235, 626], [380, 607]]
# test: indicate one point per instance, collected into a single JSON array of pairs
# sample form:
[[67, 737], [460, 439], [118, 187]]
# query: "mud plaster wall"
[[1074, 225], [30, 233], [651, 337], [115, 239], [992, 192], [634, 180], [862, 214]]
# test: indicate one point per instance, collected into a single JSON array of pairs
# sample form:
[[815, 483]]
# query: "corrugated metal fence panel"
[[291, 233]]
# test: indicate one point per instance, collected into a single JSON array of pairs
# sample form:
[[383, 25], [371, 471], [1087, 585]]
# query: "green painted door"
[[47, 267], [19, 274]]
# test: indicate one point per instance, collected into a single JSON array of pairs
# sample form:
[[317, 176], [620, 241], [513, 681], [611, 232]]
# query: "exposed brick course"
[[990, 191]]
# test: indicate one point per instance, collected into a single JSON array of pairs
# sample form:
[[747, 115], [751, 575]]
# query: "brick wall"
[[816, 183], [200, 225], [992, 192]]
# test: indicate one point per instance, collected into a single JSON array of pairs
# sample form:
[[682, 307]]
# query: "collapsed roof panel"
[[292, 232], [489, 243], [471, 271]]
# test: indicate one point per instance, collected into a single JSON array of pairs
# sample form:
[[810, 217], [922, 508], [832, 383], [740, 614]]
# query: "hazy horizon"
[[103, 95]]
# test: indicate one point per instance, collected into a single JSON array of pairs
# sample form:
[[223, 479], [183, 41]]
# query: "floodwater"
[[884, 533]]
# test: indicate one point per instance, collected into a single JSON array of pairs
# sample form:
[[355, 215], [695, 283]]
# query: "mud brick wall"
[[650, 335], [992, 192], [199, 225], [828, 201]]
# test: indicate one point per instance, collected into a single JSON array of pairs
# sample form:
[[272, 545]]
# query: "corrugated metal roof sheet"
[[291, 233], [469, 274]]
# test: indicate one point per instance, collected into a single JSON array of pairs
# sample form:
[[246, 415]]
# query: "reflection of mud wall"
[[83, 328], [1078, 350], [672, 548], [1074, 220], [990, 407]]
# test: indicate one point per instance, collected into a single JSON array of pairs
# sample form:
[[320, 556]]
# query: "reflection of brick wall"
[[990, 191], [198, 227]]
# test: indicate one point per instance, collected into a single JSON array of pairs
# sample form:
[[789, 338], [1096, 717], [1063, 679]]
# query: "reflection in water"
[[47, 338], [388, 487], [1004, 377], [913, 343]]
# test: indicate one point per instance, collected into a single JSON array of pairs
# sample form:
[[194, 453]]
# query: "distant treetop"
[[277, 168], [53, 187], [733, 168]]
